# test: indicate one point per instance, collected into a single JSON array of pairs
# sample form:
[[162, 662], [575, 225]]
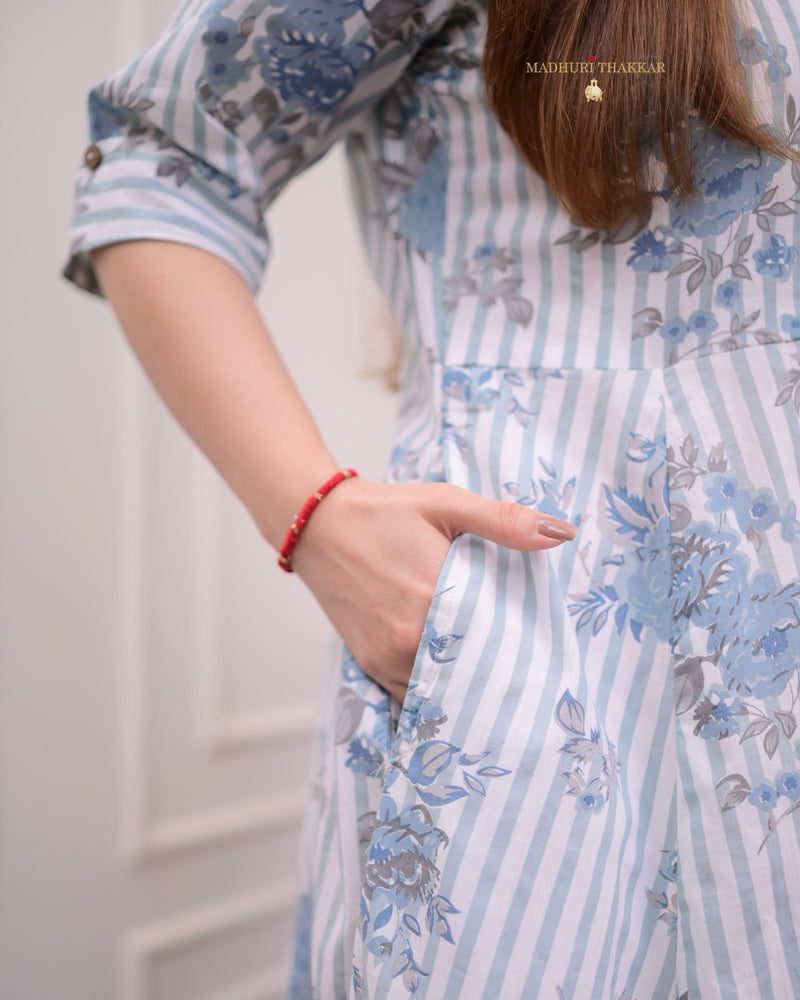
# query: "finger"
[[507, 523]]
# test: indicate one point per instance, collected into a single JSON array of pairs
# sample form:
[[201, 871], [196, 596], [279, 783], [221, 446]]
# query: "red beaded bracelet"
[[301, 520]]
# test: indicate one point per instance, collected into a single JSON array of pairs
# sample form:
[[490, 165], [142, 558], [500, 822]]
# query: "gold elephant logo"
[[593, 92]]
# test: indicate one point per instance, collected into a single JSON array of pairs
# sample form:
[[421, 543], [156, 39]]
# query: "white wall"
[[152, 741]]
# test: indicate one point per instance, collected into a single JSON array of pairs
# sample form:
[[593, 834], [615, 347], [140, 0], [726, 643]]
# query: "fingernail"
[[563, 531]]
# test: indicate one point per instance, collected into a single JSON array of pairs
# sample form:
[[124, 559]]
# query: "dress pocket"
[[433, 649]]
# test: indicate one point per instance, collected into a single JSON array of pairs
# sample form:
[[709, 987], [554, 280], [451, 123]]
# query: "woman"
[[591, 787]]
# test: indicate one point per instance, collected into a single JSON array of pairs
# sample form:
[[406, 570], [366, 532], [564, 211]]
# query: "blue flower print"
[[777, 67], [763, 796], [588, 755], [224, 74], [222, 38], [421, 213], [320, 73], [761, 635], [702, 323], [364, 757], [421, 719], [401, 860], [715, 714], [753, 49], [400, 907], [651, 251], [759, 512], [324, 22], [700, 562], [674, 330], [721, 611], [776, 258], [651, 583], [750, 44], [791, 325], [790, 526], [590, 801], [728, 294], [457, 384], [721, 494], [223, 41], [788, 783], [731, 179]]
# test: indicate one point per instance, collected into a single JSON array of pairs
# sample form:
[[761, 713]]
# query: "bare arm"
[[192, 323], [372, 552]]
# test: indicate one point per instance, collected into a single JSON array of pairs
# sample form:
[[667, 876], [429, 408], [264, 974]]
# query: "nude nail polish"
[[562, 531]]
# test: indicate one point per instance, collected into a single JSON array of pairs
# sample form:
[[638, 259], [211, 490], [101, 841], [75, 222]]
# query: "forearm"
[[372, 554], [193, 325]]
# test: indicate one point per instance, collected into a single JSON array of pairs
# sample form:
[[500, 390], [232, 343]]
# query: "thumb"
[[507, 523]]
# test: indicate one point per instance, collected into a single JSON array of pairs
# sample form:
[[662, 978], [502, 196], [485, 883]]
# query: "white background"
[[158, 671]]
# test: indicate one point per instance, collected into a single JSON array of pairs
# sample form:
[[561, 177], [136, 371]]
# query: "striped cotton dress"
[[592, 789]]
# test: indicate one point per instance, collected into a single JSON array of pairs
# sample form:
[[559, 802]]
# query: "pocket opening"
[[402, 716]]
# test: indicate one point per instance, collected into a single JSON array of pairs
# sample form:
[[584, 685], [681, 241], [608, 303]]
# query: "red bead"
[[300, 521]]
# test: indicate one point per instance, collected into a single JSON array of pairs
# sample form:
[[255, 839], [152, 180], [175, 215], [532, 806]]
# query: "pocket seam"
[[422, 668]]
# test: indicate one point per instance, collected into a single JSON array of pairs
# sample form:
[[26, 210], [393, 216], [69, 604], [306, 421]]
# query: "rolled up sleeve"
[[193, 140]]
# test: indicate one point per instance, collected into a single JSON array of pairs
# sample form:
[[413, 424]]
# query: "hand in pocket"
[[373, 552]]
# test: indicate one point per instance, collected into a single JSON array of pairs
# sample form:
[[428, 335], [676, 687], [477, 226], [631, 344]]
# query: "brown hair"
[[593, 154]]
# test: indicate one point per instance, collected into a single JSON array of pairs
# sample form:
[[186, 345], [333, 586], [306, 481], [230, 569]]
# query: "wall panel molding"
[[216, 826], [270, 986], [292, 722], [146, 837], [142, 946]]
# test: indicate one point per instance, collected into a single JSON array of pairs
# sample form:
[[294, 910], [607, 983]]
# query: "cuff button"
[[93, 157]]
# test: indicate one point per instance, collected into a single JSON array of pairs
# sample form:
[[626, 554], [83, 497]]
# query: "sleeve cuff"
[[160, 195]]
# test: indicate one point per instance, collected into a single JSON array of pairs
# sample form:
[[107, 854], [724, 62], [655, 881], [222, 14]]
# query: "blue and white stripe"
[[589, 792]]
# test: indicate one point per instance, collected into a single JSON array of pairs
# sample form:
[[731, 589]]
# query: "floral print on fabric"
[[312, 64], [736, 200], [291, 75], [593, 775], [414, 183], [753, 50], [636, 592], [401, 870], [664, 893], [402, 847], [306, 55], [582, 713], [790, 393], [731, 179], [684, 575], [475, 277], [678, 573], [400, 905]]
